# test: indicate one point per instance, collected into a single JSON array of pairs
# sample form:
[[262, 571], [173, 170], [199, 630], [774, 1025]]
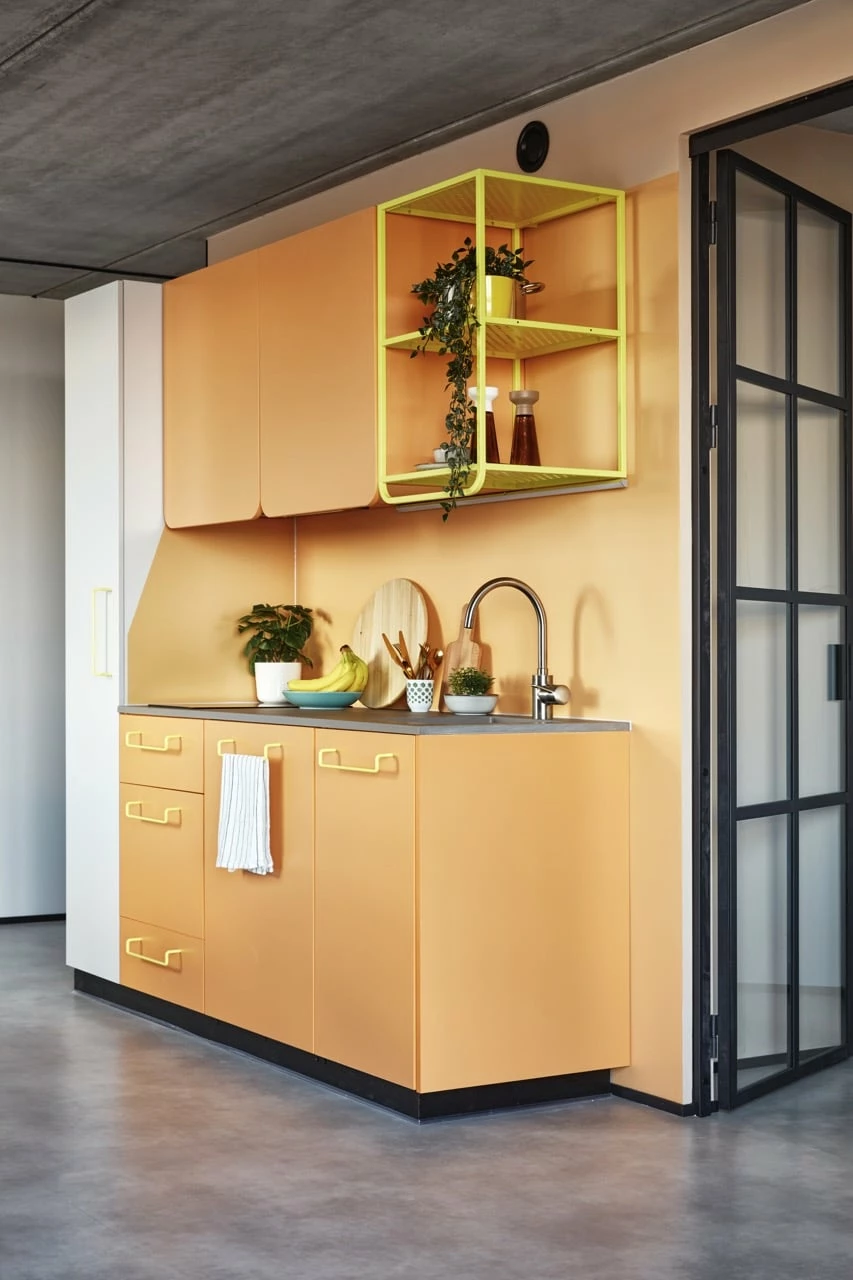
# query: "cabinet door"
[[364, 987], [318, 368], [93, 650], [259, 929], [523, 898], [210, 395]]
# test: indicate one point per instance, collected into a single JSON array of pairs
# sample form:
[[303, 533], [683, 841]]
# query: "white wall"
[[32, 725]]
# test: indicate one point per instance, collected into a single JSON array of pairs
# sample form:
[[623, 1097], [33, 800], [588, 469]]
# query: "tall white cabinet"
[[113, 522]]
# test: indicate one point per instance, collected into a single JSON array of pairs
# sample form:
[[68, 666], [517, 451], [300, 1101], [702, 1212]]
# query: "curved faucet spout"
[[474, 604]]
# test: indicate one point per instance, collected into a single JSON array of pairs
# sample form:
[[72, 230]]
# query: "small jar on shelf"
[[525, 446]]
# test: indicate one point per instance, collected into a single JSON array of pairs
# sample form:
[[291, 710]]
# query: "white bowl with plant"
[[276, 649], [469, 692]]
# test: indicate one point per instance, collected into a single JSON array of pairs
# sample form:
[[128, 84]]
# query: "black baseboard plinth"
[[31, 919], [422, 1107], [652, 1100]]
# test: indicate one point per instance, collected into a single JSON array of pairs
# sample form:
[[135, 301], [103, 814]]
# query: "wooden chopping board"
[[461, 652], [397, 606]]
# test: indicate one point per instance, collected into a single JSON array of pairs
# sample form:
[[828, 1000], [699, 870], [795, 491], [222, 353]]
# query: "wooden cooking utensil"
[[397, 606], [461, 652]]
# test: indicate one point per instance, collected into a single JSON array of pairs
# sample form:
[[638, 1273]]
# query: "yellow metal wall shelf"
[[485, 198]]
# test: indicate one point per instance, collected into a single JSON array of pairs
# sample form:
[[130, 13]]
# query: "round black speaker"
[[532, 147]]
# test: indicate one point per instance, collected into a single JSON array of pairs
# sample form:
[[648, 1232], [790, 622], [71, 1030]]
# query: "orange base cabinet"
[[162, 963], [259, 929], [161, 872], [364, 995], [523, 907]]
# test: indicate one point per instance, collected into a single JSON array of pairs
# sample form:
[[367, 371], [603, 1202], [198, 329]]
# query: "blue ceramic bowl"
[[317, 701]]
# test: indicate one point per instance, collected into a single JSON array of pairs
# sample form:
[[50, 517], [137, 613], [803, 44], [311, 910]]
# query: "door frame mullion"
[[793, 623], [726, 624]]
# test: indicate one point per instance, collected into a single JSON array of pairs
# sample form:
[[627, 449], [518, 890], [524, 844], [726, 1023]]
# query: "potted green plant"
[[276, 648], [450, 329], [469, 692]]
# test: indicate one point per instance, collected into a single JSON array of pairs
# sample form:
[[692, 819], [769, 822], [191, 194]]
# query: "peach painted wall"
[[606, 565]]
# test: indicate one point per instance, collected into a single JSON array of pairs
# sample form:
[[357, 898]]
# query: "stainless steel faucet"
[[546, 694]]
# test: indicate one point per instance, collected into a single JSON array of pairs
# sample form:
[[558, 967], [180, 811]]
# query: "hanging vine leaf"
[[451, 330]]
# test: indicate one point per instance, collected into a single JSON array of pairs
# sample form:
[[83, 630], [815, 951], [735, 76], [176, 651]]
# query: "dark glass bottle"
[[525, 446], [492, 451]]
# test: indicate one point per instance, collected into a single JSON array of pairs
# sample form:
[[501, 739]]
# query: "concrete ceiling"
[[129, 130]]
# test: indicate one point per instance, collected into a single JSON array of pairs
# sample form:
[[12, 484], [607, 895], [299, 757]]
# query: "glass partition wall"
[[783, 627]]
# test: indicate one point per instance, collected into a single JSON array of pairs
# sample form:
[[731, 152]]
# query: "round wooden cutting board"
[[397, 606]]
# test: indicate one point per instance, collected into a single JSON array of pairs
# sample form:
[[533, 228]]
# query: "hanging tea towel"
[[244, 815]]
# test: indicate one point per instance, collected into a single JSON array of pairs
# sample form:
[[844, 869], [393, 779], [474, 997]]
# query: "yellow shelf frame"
[[515, 202]]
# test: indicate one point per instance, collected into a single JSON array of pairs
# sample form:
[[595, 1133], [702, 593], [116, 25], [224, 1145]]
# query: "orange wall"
[[182, 643]]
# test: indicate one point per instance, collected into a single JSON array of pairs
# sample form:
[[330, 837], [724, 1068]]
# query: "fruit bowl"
[[317, 700]]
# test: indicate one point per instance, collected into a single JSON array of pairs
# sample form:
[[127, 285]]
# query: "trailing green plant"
[[281, 632], [451, 329], [469, 682]]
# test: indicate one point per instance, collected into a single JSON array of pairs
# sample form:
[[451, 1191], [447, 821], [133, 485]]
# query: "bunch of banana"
[[349, 676]]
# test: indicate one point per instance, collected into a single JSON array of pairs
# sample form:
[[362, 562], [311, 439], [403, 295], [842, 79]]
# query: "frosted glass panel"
[[760, 277], [821, 721], [762, 948], [819, 470], [762, 702], [761, 487], [818, 300], [821, 929]]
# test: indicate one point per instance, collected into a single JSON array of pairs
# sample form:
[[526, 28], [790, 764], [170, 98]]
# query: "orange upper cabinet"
[[318, 368], [210, 395]]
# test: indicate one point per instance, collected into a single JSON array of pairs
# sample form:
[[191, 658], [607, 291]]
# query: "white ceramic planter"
[[271, 681], [471, 704]]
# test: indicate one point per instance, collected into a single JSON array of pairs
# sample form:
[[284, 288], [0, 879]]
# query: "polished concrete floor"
[[130, 1151]]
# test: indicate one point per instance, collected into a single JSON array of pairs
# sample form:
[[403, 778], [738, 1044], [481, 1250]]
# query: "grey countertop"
[[431, 722]]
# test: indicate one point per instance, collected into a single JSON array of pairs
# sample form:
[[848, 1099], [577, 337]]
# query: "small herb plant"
[[451, 329], [281, 632], [469, 682]]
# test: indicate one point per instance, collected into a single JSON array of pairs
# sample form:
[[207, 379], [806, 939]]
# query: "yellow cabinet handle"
[[268, 747], [97, 591], [165, 963], [353, 768], [161, 822], [141, 746]]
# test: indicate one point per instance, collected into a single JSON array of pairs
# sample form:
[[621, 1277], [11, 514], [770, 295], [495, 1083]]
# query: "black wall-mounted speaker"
[[531, 150]]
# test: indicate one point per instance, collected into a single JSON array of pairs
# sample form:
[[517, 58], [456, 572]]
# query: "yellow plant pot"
[[500, 298]]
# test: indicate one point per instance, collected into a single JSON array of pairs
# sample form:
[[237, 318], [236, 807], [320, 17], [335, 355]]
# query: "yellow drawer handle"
[[161, 822], [141, 746], [165, 963], [268, 747], [353, 768]]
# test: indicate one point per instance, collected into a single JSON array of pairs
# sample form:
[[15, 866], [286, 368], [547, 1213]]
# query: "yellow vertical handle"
[[105, 592]]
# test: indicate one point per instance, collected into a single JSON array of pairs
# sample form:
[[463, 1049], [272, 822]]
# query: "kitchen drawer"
[[162, 857], [159, 751], [163, 964]]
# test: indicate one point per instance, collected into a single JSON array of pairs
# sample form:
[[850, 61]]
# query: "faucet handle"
[[553, 694]]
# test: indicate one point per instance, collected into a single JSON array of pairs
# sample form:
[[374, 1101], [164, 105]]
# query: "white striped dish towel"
[[244, 815]]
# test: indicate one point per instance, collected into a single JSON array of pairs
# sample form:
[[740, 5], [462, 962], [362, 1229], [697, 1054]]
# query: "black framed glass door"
[[784, 632]]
